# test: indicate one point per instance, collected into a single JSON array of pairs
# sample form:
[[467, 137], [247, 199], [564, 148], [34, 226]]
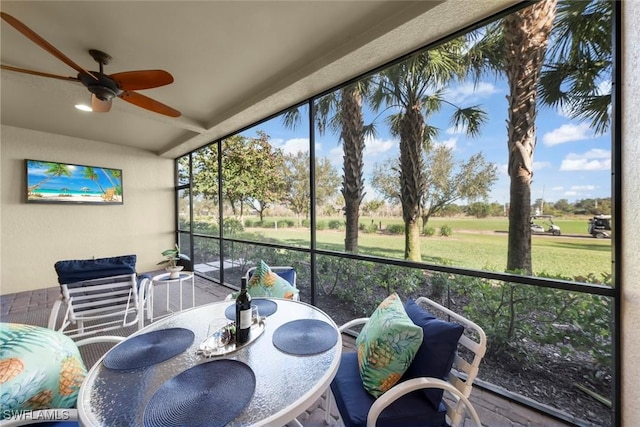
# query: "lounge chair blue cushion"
[[437, 351], [354, 402], [79, 270]]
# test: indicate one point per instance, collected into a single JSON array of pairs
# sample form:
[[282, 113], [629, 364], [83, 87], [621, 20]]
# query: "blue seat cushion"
[[354, 402], [79, 270], [288, 275], [437, 351]]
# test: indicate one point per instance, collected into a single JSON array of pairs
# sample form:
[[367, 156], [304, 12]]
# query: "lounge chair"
[[99, 295]]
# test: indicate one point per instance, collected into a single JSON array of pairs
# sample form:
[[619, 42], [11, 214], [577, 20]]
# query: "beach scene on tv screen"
[[60, 182]]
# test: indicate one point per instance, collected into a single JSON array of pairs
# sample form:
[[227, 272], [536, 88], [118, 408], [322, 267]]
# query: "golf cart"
[[600, 226], [544, 226]]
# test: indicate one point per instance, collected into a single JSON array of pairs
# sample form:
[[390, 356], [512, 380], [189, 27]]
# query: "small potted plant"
[[172, 256]]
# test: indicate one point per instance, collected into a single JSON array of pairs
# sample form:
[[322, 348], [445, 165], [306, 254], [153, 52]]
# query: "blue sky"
[[570, 161]]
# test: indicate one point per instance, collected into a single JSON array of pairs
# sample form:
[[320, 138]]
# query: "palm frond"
[[291, 118], [470, 118]]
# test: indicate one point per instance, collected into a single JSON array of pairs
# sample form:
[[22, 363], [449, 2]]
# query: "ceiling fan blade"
[[149, 104], [38, 73], [99, 106], [34, 37], [143, 79]]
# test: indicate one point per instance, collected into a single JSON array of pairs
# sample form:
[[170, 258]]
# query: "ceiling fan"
[[103, 87]]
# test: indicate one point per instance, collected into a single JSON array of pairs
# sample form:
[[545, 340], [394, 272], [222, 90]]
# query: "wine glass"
[[255, 315], [218, 336]]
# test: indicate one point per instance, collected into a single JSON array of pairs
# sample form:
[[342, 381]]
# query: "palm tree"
[[526, 35], [342, 112], [416, 87], [575, 67]]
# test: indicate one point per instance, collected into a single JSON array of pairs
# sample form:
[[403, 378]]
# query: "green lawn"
[[475, 243]]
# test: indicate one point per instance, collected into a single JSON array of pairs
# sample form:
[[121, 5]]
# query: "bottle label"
[[245, 319]]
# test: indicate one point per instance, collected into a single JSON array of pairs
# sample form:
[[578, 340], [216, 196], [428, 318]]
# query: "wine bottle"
[[243, 313]]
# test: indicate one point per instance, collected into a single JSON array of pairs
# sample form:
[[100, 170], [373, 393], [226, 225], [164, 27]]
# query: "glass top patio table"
[[286, 384]]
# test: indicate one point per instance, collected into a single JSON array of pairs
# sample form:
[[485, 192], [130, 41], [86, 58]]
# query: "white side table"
[[184, 276]]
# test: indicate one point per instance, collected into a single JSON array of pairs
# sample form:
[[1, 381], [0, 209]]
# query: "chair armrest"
[[352, 323], [144, 287], [408, 386], [53, 316], [22, 418], [100, 339]]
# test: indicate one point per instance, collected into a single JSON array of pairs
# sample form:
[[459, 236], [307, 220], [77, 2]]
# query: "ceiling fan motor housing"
[[102, 86]]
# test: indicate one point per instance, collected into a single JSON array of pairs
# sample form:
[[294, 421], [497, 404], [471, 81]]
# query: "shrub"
[[395, 228], [429, 231], [267, 223], [232, 226], [446, 231], [336, 224], [248, 223], [285, 223], [205, 227], [513, 315], [306, 223], [321, 225]]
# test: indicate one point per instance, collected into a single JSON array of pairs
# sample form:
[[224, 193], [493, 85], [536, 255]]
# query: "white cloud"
[[567, 133], [336, 152], [583, 187], [503, 168], [593, 160], [604, 87], [449, 143], [470, 92], [373, 146], [570, 193], [295, 145], [541, 165], [558, 188]]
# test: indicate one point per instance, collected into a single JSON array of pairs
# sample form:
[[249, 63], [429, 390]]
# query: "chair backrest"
[[286, 272], [100, 295], [472, 346]]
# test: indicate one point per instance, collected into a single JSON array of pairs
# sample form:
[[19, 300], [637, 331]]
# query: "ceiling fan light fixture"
[[83, 107], [103, 93]]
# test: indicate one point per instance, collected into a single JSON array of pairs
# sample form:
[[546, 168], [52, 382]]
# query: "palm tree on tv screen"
[[90, 173], [53, 170]]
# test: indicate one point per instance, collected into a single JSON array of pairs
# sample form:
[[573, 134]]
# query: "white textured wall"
[[35, 236], [630, 214]]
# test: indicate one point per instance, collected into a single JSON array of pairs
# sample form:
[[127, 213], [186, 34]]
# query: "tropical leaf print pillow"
[[386, 346], [266, 283], [39, 369]]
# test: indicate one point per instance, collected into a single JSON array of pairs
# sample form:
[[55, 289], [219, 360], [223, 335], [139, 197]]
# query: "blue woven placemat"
[[149, 349], [209, 394], [265, 307], [305, 337]]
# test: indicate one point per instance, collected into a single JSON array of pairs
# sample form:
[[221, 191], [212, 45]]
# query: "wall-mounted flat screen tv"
[[53, 182]]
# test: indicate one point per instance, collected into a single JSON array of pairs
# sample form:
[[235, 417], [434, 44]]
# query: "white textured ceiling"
[[234, 62]]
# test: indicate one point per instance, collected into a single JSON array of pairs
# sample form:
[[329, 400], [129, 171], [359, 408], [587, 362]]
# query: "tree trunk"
[[411, 182], [353, 145], [526, 36]]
